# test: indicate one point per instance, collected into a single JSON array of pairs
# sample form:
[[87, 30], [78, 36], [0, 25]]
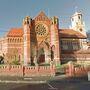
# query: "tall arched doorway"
[[41, 58]]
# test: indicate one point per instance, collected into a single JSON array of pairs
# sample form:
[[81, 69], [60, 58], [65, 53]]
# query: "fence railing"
[[27, 71], [71, 70]]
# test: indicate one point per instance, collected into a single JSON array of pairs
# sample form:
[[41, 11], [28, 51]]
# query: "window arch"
[[79, 17], [12, 40]]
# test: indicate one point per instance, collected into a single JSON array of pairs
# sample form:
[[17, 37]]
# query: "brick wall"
[[27, 71], [12, 70], [81, 71], [71, 70]]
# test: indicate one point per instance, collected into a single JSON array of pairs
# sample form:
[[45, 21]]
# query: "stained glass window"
[[40, 29]]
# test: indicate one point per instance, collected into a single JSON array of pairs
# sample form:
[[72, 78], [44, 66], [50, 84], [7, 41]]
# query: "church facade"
[[40, 40]]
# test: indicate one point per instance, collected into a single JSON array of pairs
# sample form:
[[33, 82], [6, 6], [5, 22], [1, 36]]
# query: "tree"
[[1, 60], [13, 57]]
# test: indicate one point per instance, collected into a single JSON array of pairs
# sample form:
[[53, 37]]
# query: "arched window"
[[78, 17], [19, 57], [18, 40], [72, 19], [10, 40], [13, 40], [81, 29]]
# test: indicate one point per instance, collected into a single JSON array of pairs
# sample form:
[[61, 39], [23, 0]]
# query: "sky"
[[12, 12]]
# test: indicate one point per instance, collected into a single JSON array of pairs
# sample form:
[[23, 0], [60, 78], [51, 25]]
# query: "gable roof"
[[70, 33], [41, 16], [15, 32]]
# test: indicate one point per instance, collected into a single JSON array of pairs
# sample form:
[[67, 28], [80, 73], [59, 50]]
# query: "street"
[[62, 84]]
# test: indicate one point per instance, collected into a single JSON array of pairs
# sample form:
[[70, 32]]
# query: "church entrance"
[[41, 58]]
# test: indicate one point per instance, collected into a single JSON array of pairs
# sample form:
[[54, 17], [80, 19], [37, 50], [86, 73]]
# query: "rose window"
[[40, 30]]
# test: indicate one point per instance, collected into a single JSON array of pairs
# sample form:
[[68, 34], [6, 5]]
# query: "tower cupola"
[[55, 20], [27, 20]]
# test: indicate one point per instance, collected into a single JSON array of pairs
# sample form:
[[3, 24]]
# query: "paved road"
[[64, 84]]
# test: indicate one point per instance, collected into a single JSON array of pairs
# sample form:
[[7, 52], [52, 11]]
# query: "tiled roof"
[[64, 33], [15, 32], [70, 33]]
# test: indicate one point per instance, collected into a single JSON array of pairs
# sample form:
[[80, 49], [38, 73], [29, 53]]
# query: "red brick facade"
[[41, 41]]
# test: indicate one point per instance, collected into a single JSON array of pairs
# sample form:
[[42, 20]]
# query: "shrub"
[[16, 62]]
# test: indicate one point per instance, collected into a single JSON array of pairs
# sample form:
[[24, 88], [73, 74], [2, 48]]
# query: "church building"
[[40, 40]]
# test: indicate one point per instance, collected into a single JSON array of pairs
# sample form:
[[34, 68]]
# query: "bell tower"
[[55, 44], [78, 23], [26, 38]]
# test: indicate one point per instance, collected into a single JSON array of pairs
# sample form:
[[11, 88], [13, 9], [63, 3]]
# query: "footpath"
[[41, 79]]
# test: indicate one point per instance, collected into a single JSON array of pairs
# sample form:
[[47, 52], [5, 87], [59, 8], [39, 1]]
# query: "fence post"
[[37, 69], [23, 70], [71, 68], [52, 68]]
